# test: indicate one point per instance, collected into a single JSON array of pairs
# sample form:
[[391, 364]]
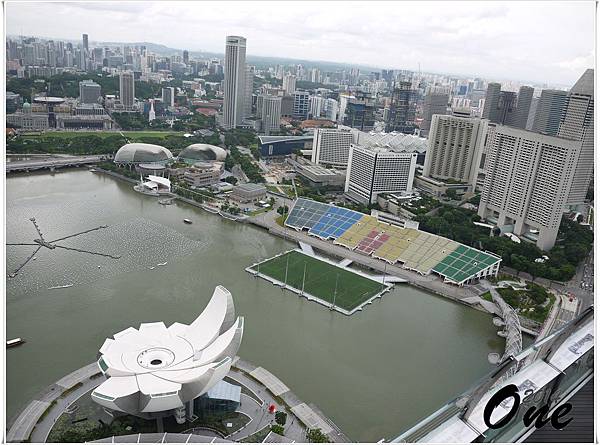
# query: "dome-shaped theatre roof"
[[202, 152], [137, 152]]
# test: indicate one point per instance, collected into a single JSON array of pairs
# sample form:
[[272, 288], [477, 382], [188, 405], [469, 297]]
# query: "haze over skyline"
[[496, 40]]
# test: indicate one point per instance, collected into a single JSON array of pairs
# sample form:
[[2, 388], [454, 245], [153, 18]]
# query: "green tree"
[[281, 417], [316, 436], [277, 429]]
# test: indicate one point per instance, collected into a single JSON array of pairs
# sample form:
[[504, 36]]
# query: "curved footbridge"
[[35, 422]]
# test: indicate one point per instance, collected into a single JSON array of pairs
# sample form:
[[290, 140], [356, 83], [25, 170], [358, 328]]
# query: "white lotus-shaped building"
[[157, 369]]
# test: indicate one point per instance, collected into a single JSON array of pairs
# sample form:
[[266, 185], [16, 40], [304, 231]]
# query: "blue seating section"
[[335, 222], [306, 213]]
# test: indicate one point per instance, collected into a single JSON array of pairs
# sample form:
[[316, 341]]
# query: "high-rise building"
[[270, 113], [577, 124], [455, 148], [527, 182], [550, 108], [401, 114], [359, 112], [519, 117], [287, 106], [372, 171], [316, 106], [289, 84], [127, 89], [507, 106], [532, 111], [249, 90], [235, 81], [331, 146], [89, 92], [344, 99], [435, 103], [186, 56], [492, 97], [331, 109], [168, 96], [85, 42], [301, 104]]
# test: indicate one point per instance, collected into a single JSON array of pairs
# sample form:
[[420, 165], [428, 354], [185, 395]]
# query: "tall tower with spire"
[[151, 113]]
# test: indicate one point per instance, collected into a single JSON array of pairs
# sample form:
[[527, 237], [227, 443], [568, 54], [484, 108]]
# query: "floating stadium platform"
[[413, 249]]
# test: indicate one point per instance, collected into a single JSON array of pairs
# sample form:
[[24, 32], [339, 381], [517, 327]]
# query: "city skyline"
[[467, 38]]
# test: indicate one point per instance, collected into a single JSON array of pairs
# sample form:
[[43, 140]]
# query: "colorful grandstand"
[[414, 249]]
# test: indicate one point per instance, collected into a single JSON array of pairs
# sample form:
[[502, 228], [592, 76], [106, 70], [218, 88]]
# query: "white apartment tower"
[[270, 113], [331, 146], [528, 178], [316, 105], [234, 82], [455, 148], [289, 84], [331, 109], [127, 89], [372, 171]]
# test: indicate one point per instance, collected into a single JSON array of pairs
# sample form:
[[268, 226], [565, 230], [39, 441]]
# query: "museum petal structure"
[[155, 371]]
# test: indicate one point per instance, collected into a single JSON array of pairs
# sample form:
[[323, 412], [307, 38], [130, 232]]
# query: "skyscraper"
[[577, 124], [168, 96], [435, 103], [186, 56], [289, 84], [492, 96], [360, 112], [127, 89], [550, 108], [234, 82], [270, 113], [249, 88], [85, 42], [455, 148], [507, 106], [528, 178], [520, 115], [401, 114]]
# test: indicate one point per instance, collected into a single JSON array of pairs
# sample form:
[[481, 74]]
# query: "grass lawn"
[[102, 134], [352, 289]]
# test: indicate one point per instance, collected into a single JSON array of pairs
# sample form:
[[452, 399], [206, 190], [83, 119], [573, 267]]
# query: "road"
[[34, 164], [582, 284]]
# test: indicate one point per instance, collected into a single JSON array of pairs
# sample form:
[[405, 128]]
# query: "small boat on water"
[[162, 264], [166, 202], [60, 287], [187, 221], [14, 342]]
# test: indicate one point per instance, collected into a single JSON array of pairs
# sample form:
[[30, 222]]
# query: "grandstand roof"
[[416, 250]]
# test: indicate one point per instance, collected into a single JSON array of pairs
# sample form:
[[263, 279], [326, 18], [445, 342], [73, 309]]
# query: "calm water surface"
[[375, 373]]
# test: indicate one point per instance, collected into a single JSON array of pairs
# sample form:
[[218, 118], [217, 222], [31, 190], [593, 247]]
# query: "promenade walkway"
[[35, 422]]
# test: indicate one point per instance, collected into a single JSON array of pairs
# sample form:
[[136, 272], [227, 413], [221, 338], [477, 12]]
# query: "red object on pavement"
[[272, 408]]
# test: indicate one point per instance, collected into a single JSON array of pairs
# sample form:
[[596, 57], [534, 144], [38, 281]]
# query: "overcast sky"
[[533, 41]]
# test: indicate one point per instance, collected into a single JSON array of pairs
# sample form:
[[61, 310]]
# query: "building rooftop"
[[251, 187], [585, 84]]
